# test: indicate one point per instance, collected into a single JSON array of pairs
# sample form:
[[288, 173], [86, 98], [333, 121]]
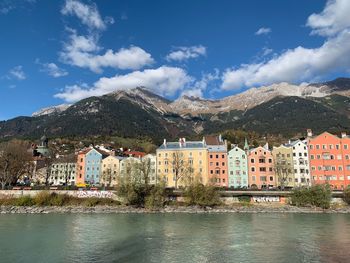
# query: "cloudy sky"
[[55, 52]]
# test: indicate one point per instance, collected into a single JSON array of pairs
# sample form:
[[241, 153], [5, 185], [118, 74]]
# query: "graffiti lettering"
[[99, 194], [265, 199]]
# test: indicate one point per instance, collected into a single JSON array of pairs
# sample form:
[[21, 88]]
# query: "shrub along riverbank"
[[52, 199], [148, 197]]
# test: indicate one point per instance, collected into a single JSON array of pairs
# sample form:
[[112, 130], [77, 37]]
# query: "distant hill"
[[277, 109]]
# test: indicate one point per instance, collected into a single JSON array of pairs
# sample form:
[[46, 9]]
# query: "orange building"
[[329, 159], [80, 173], [217, 160], [261, 168]]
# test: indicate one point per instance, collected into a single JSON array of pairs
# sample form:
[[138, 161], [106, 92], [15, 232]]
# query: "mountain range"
[[281, 109]]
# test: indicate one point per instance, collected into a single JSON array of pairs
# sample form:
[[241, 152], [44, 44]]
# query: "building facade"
[[237, 168], [63, 173], [261, 168], [329, 158], [284, 166], [110, 170], [180, 162], [217, 160], [301, 163], [89, 166]]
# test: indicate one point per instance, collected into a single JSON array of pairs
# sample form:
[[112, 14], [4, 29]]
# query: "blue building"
[[93, 161]]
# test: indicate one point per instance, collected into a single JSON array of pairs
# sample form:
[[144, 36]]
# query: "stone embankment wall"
[[228, 197], [80, 194]]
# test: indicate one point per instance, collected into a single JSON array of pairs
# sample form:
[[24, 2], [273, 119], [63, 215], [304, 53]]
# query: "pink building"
[[217, 160], [261, 168], [329, 159]]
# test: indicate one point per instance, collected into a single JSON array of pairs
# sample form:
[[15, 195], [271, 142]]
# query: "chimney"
[[266, 146], [220, 138], [309, 132], [164, 142], [113, 153], [289, 142], [343, 134]]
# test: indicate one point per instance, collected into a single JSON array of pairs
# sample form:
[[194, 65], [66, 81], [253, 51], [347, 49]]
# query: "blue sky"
[[55, 52]]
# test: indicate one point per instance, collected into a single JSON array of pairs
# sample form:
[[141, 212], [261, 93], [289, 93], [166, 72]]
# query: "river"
[[175, 238]]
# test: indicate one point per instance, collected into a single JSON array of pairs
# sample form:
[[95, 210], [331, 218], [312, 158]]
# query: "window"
[[223, 156], [217, 156], [261, 160], [317, 146], [270, 160], [252, 160], [211, 156], [262, 169], [345, 146], [253, 169], [311, 146]]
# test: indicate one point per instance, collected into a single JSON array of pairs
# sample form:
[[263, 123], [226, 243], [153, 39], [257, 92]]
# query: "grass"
[[52, 199]]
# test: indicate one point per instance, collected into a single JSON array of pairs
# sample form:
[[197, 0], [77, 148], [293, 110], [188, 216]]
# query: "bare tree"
[[145, 169], [180, 168], [282, 171], [15, 162]]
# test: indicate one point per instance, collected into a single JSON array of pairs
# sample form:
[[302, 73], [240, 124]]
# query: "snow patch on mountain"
[[51, 110]]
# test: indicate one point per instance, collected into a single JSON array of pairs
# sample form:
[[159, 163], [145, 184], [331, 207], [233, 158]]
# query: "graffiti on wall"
[[99, 194], [266, 199]]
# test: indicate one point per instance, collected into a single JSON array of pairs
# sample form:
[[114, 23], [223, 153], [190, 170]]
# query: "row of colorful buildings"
[[320, 159], [324, 158]]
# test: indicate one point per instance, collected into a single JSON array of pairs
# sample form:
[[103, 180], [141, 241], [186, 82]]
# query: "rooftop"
[[185, 145]]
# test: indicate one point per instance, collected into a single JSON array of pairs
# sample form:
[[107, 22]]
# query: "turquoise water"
[[175, 238]]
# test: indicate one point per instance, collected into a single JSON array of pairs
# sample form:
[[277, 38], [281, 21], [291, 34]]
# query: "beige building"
[[110, 170], [182, 161], [283, 165]]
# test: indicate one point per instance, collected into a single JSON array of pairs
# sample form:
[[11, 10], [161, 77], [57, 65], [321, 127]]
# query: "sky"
[[55, 52]]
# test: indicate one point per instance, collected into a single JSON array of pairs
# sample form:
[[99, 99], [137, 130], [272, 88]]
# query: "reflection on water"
[[175, 238]]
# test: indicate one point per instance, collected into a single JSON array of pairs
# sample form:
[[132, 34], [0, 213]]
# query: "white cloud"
[[197, 93], [185, 53], [18, 73], [164, 80], [298, 64], [88, 14], [82, 51], [200, 86], [263, 31], [53, 70], [333, 19]]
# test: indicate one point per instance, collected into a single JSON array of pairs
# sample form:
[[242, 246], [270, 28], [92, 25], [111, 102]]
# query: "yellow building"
[[180, 162], [283, 165], [110, 170]]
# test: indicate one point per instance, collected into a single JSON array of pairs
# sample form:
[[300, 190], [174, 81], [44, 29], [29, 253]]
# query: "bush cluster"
[[142, 195], [317, 195], [52, 199], [201, 195]]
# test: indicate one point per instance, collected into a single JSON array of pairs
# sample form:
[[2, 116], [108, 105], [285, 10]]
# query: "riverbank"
[[105, 209]]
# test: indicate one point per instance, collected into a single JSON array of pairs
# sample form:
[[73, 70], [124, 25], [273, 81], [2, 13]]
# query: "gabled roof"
[[213, 140], [325, 132]]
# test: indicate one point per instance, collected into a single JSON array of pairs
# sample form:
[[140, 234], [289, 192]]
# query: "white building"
[[62, 173], [301, 163]]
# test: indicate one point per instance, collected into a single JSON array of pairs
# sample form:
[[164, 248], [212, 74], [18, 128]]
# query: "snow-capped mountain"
[[248, 99], [51, 110], [279, 108]]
